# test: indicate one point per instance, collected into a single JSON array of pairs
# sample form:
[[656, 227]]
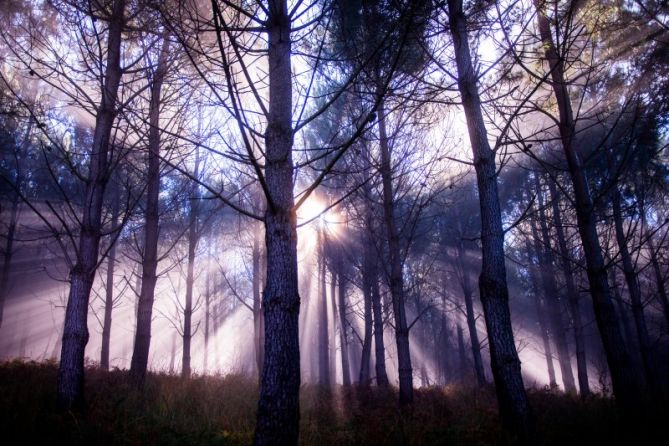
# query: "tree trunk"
[[396, 277], [193, 239], [647, 355], [572, 295], [514, 407], [625, 379], [75, 331], [467, 293], [462, 355], [548, 278], [539, 307], [659, 279], [207, 309], [323, 341], [109, 286], [278, 408], [257, 310], [379, 343], [8, 253], [367, 284], [343, 337], [140, 353]]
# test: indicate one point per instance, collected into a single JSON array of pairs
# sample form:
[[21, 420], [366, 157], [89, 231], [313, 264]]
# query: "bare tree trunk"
[[396, 278], [207, 309], [572, 295], [343, 336], [367, 284], [539, 308], [333, 316], [625, 379], [514, 407], [278, 408], [548, 278], [647, 355], [659, 280], [8, 253], [109, 286], [140, 353], [379, 343], [75, 331], [193, 239], [257, 310], [323, 342], [467, 293], [462, 355]]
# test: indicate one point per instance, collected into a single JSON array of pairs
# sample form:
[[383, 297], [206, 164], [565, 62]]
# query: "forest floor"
[[220, 410]]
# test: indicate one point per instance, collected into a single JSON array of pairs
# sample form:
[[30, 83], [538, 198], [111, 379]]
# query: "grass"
[[220, 410]]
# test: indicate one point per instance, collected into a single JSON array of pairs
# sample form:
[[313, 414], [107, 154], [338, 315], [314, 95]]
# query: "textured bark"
[[572, 294], [278, 408], [548, 278], [540, 308], [514, 407], [333, 317], [467, 293], [650, 365], [109, 286], [75, 332], [379, 343], [396, 277], [625, 379], [142, 344]]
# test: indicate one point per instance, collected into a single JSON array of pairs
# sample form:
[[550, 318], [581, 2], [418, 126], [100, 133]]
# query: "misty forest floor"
[[221, 411]]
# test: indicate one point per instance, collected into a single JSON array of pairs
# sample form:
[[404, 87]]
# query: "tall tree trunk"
[[572, 294], [396, 278], [548, 278], [193, 239], [278, 408], [467, 293], [625, 379], [379, 343], [75, 331], [140, 353], [8, 253], [333, 316], [367, 284], [343, 336], [647, 355], [657, 272], [207, 309], [539, 307], [514, 407], [462, 356], [257, 310], [323, 341], [109, 286]]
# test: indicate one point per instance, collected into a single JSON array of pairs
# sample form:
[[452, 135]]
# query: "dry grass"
[[220, 410]]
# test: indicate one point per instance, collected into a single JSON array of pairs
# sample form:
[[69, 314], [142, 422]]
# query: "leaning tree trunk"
[[109, 286], [572, 294], [647, 355], [140, 353], [75, 331], [278, 408], [514, 406], [625, 379], [396, 277]]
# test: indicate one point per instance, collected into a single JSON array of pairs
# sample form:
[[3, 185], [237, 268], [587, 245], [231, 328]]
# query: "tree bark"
[[367, 284], [396, 277], [572, 294], [323, 341], [8, 254], [343, 336], [75, 332], [257, 310], [514, 407], [140, 354], [278, 408]]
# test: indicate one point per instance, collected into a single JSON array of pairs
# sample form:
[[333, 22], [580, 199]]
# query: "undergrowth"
[[220, 410]]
